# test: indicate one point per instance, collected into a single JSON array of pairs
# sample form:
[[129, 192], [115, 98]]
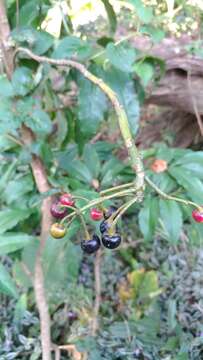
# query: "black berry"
[[111, 241], [104, 226], [92, 245], [108, 212]]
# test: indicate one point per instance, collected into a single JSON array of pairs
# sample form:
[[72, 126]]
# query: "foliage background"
[[152, 286]]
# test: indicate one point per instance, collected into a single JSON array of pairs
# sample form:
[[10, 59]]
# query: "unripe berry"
[[58, 231]]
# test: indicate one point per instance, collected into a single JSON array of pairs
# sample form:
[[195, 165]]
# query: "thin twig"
[[97, 286], [169, 197]]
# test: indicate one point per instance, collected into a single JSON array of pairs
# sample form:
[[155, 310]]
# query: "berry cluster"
[[110, 238]]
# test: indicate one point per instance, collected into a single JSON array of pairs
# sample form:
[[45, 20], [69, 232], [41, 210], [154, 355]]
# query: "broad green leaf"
[[92, 104], [121, 83], [72, 46], [22, 81], [78, 170], [91, 159], [121, 56], [148, 218], [7, 285], [38, 41], [189, 182], [172, 313], [40, 122], [8, 120], [171, 218], [164, 181], [6, 89], [145, 13], [7, 174], [17, 188], [11, 217], [145, 70], [10, 242], [111, 15], [29, 12], [192, 161]]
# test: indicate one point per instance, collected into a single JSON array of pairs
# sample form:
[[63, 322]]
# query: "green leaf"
[[92, 104], [192, 161], [17, 188], [38, 41], [8, 120], [22, 81], [145, 13], [72, 46], [91, 159], [10, 242], [40, 122], [145, 70], [7, 285], [11, 217], [171, 217], [121, 56], [29, 12], [110, 170], [6, 89], [156, 34], [121, 83], [78, 170], [148, 218], [189, 182]]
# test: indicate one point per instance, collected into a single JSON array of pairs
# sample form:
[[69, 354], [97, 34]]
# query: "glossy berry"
[[66, 199], [104, 226], [96, 214], [58, 231], [108, 212], [92, 245], [198, 215], [111, 241], [57, 211]]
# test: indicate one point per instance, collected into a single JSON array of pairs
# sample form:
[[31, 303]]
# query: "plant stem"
[[101, 200], [123, 210], [114, 188], [97, 287], [79, 214], [136, 162], [169, 197]]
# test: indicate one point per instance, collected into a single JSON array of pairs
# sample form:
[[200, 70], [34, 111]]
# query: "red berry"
[[96, 214], [57, 211], [198, 215], [66, 199]]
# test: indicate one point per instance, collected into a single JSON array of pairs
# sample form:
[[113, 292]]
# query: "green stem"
[[169, 197], [80, 197], [123, 210], [79, 214], [101, 200], [114, 188]]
